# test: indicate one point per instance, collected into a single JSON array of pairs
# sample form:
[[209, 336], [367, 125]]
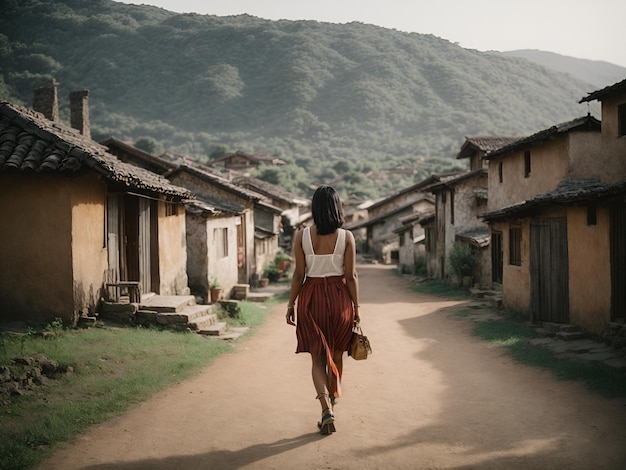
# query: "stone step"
[[570, 336], [233, 333], [204, 322], [217, 329], [185, 316], [167, 303]]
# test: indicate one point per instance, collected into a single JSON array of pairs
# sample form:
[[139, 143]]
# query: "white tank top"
[[324, 265]]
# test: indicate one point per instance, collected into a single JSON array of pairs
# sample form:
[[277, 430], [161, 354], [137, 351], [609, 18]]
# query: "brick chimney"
[[79, 112], [46, 101]]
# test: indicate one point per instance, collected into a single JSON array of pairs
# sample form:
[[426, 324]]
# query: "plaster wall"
[[549, 165], [197, 255], [88, 237], [222, 268], [613, 146], [585, 158], [515, 279], [172, 252], [589, 269], [36, 281]]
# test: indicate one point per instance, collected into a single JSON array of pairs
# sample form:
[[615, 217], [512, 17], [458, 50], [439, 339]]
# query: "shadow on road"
[[222, 459]]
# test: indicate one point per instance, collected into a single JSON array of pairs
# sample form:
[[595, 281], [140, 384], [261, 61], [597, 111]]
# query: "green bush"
[[462, 260]]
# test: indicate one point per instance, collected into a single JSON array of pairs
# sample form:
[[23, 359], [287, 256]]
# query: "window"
[[526, 163], [171, 209], [220, 237], [430, 239], [592, 215], [621, 120], [515, 245], [452, 207], [499, 172]]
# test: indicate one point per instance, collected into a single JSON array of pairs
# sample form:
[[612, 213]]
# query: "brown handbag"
[[359, 345]]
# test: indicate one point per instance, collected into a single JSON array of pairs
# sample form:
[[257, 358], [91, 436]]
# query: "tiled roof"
[[484, 143], [208, 175], [200, 206], [113, 145], [421, 186], [368, 222], [268, 189], [583, 123], [568, 192], [605, 92], [452, 181], [478, 236], [254, 157], [31, 143]]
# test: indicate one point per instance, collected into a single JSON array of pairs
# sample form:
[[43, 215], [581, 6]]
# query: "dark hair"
[[327, 210]]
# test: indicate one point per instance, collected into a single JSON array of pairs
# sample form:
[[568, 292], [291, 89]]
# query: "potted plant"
[[216, 290], [272, 273], [463, 263]]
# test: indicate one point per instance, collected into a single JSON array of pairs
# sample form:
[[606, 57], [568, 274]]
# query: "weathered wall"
[[204, 189], [36, 281], [516, 279], [172, 252], [88, 237], [549, 165], [197, 255], [222, 268], [589, 269], [585, 158], [613, 147]]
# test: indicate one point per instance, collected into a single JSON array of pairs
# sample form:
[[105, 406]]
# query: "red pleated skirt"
[[325, 320], [325, 315]]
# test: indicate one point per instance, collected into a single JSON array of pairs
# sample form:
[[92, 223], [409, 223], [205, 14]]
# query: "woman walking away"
[[326, 286]]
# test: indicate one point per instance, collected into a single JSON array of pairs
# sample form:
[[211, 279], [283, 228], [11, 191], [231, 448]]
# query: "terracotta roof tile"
[[484, 143], [31, 143], [567, 192], [617, 88]]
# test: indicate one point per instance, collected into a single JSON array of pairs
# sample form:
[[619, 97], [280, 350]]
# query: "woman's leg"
[[332, 380], [320, 379]]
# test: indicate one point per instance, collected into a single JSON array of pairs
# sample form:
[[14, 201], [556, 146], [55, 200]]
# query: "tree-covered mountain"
[[595, 72], [339, 103]]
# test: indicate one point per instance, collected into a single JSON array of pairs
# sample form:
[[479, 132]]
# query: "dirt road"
[[431, 396]]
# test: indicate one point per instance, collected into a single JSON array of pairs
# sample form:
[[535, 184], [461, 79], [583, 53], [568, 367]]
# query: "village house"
[[459, 200], [384, 217], [410, 247], [242, 161], [128, 153], [76, 218], [221, 248], [291, 208], [548, 233]]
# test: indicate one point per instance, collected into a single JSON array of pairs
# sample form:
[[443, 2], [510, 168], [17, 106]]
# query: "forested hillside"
[[339, 103], [595, 72]]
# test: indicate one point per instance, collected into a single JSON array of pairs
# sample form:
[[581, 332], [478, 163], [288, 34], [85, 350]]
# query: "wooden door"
[[143, 248], [496, 257], [129, 269], [113, 233], [549, 270], [618, 261], [242, 256]]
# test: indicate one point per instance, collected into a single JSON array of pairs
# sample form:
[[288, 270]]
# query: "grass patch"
[[248, 314], [513, 335], [441, 288], [112, 369]]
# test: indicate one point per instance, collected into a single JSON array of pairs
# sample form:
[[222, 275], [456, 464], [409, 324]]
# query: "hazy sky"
[[593, 30]]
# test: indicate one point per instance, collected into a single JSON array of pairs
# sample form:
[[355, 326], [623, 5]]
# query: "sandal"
[[327, 424]]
